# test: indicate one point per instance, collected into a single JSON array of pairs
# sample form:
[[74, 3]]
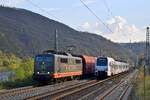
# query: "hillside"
[[26, 33], [138, 47]]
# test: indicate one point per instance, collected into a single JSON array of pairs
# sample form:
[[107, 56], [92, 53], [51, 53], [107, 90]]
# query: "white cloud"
[[11, 3], [90, 27], [87, 2], [122, 30], [86, 25]]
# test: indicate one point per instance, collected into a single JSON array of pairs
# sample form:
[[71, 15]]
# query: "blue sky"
[[127, 21]]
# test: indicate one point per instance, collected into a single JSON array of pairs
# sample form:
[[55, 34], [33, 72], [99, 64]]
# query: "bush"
[[28, 67], [23, 69], [20, 73]]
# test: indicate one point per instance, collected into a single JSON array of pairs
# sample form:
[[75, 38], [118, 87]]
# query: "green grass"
[[139, 86]]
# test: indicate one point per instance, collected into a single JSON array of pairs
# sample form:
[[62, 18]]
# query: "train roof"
[[56, 52], [105, 57], [112, 59], [65, 53], [60, 54]]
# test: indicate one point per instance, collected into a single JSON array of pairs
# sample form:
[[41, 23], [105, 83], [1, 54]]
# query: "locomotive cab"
[[56, 67], [43, 67]]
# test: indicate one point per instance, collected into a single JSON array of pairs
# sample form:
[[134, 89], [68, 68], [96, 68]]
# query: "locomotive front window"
[[39, 58], [48, 59], [45, 60], [102, 61]]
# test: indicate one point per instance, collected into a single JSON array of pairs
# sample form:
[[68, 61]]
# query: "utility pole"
[[56, 41], [130, 45], [147, 54], [147, 59]]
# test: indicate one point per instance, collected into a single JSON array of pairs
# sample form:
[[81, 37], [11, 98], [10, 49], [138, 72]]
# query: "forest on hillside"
[[25, 33]]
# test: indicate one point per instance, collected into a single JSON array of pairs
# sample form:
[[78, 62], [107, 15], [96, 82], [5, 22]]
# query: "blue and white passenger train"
[[106, 66]]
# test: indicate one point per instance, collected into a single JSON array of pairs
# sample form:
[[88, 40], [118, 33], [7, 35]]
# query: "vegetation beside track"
[[21, 67], [139, 85]]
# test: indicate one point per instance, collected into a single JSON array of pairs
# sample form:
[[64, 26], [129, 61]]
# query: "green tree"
[[27, 65], [20, 73]]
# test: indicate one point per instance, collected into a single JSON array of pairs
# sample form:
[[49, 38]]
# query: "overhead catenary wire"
[[100, 20], [43, 10], [108, 8], [110, 12]]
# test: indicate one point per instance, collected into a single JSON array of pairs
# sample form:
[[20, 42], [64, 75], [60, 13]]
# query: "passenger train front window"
[[102, 62]]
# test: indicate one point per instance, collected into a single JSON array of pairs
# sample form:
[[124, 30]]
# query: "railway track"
[[116, 86], [30, 91], [119, 91], [80, 91], [14, 90], [56, 93]]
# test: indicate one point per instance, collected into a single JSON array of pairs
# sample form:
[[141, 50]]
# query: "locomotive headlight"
[[37, 72], [96, 70], [47, 72]]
